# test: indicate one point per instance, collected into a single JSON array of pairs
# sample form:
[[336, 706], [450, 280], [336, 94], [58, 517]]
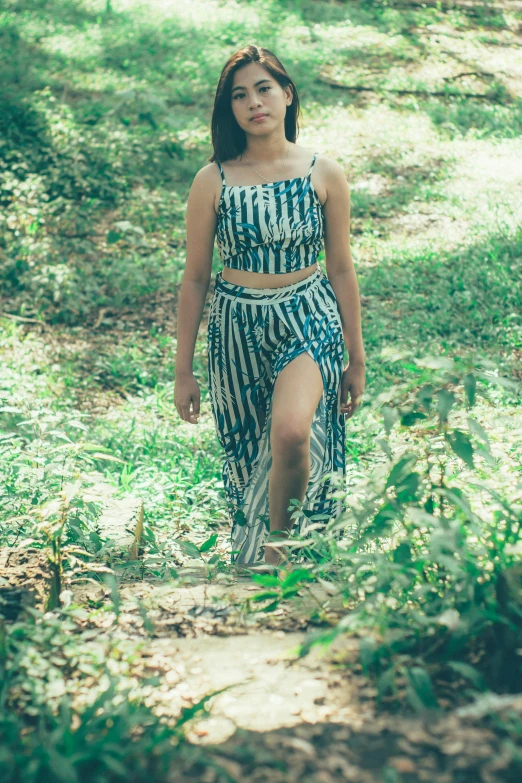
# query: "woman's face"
[[258, 100]]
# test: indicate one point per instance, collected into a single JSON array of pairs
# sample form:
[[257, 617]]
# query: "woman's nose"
[[255, 101]]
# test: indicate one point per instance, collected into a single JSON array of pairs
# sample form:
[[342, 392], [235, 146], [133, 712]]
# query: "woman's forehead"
[[250, 73]]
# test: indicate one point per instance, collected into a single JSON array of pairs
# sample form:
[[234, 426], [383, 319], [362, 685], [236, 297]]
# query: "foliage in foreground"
[[429, 581], [45, 736]]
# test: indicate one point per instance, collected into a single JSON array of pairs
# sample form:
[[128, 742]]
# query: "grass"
[[106, 127], [100, 150]]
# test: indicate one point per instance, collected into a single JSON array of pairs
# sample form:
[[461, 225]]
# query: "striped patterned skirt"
[[253, 333]]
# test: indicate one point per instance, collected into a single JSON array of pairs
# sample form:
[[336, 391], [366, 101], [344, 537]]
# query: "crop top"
[[275, 227]]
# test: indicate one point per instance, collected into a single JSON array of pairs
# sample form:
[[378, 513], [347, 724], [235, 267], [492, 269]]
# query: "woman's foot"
[[275, 554]]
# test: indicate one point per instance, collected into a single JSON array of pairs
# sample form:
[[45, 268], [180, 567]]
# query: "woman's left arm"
[[342, 276]]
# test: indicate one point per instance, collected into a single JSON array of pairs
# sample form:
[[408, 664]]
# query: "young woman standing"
[[277, 324]]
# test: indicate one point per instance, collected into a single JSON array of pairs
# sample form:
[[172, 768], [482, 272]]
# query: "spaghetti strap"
[[312, 165], [221, 171]]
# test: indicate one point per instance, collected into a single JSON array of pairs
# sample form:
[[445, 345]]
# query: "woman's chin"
[[262, 128]]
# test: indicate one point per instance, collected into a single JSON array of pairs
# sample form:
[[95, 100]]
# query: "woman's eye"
[[242, 94]]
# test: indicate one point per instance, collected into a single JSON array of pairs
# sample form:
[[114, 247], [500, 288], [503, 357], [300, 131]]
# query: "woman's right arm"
[[201, 228]]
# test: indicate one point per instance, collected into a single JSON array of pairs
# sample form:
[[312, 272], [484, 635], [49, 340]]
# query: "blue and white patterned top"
[[275, 227]]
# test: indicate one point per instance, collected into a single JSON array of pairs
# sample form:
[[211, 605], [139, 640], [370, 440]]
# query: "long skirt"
[[253, 333]]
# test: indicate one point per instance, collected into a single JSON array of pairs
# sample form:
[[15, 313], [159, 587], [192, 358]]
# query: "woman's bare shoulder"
[[206, 186], [208, 175], [329, 167]]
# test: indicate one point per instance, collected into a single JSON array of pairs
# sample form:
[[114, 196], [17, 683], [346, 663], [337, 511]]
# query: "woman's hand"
[[187, 397], [353, 381]]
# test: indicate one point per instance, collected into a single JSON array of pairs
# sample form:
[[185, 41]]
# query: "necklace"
[[278, 170]]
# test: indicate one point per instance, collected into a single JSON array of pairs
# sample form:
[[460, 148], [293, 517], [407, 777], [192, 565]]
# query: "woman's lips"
[[260, 118]]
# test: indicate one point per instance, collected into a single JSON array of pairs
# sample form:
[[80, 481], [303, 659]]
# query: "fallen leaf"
[[402, 764]]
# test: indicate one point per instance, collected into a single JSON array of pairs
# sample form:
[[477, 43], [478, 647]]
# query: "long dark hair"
[[228, 139]]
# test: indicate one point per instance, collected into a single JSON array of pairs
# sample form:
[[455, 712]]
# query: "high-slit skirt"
[[253, 333]]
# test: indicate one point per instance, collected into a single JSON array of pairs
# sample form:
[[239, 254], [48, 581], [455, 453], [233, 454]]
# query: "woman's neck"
[[267, 149]]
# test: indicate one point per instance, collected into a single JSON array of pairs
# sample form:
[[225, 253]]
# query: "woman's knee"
[[290, 438]]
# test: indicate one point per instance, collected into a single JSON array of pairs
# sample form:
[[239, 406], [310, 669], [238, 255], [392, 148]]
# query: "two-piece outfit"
[[253, 333]]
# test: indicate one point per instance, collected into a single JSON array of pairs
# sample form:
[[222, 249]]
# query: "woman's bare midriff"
[[263, 280]]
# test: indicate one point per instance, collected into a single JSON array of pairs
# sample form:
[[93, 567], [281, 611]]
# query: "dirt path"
[[283, 719], [278, 718], [208, 642]]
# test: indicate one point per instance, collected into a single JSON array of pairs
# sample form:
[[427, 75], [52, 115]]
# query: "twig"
[[480, 74], [101, 315], [423, 93], [21, 526], [445, 34], [25, 320], [470, 6], [500, 43]]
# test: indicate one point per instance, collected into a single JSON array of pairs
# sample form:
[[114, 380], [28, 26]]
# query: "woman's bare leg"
[[296, 395]]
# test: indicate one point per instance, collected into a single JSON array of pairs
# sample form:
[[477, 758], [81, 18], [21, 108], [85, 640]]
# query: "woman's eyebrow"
[[240, 86]]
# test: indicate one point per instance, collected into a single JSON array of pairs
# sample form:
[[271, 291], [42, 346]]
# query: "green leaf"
[[469, 672], [420, 690], [267, 580], [112, 584], [383, 520], [429, 505], [477, 430], [447, 561], [411, 417], [188, 548], [408, 488], [420, 517], [485, 452], [61, 767], [386, 682], [271, 606], [385, 447], [209, 543], [112, 237], [264, 596], [290, 593], [187, 713], [401, 469], [461, 445], [294, 577], [96, 540], [390, 416], [402, 554], [507, 383], [108, 457], [425, 396], [114, 765], [366, 652], [470, 386], [445, 400], [240, 518], [457, 497]]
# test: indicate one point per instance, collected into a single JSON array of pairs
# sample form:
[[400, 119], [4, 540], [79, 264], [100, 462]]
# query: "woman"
[[277, 325]]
